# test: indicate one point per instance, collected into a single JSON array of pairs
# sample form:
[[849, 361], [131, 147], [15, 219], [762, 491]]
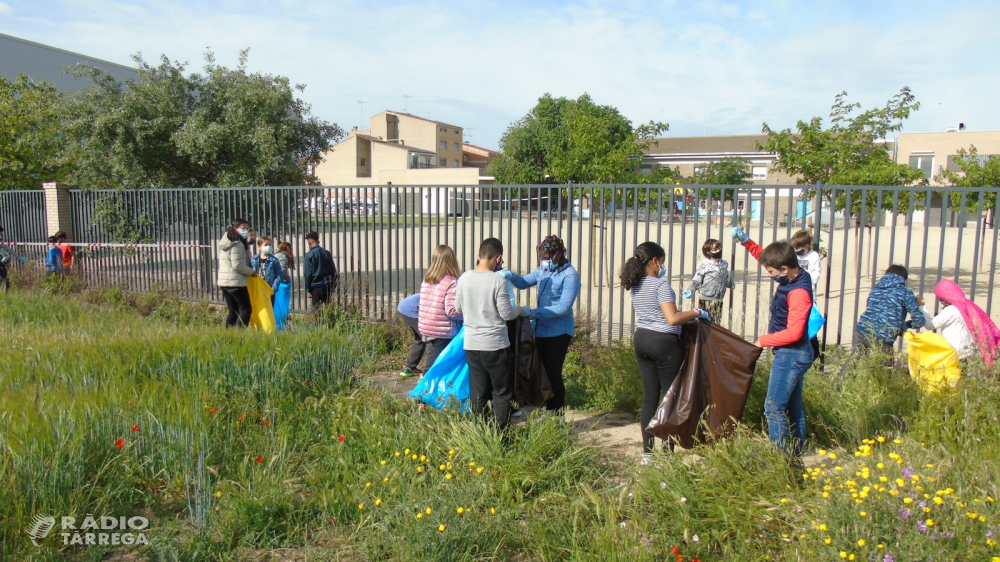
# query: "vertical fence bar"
[[843, 267], [923, 255], [859, 255], [978, 249], [961, 229]]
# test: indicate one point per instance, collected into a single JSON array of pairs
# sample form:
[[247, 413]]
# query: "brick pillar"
[[58, 214]]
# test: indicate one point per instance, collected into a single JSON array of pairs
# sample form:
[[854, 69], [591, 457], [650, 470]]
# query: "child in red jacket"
[[788, 337]]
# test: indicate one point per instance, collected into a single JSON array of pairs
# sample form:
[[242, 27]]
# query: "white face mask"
[[265, 249]]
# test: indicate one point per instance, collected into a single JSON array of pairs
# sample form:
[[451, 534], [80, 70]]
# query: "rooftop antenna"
[[466, 135], [406, 102], [361, 105]]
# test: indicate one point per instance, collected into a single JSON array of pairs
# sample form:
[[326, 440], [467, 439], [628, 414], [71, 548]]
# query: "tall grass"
[[236, 445]]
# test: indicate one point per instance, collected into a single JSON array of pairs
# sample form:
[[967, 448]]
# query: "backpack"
[[5, 257]]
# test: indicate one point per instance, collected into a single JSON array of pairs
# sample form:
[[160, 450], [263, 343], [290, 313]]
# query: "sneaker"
[[407, 373], [517, 413]]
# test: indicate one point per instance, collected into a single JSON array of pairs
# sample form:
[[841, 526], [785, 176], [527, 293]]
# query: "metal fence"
[[382, 238], [23, 217]]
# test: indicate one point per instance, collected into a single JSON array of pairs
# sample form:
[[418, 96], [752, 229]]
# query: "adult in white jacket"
[[234, 268]]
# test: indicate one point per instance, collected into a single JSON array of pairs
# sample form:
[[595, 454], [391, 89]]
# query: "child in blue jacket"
[[54, 257], [266, 265]]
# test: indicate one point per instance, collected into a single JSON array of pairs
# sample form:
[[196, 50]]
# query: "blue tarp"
[[446, 383], [282, 304]]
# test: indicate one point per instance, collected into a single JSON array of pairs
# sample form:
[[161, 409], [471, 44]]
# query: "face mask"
[[498, 266], [716, 255], [662, 272], [545, 264], [780, 279], [243, 232], [265, 249], [802, 252]]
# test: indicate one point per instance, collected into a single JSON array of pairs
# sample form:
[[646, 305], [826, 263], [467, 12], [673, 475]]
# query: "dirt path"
[[616, 431]]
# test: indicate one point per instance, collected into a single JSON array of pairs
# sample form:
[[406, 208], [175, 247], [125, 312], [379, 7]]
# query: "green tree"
[[562, 140], [974, 171], [169, 128], [849, 152], [728, 171], [31, 144]]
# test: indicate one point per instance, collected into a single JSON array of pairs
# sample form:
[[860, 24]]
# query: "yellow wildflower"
[[861, 542], [428, 511], [864, 514], [907, 500], [218, 494], [378, 502], [447, 476], [361, 506], [441, 528], [929, 522]]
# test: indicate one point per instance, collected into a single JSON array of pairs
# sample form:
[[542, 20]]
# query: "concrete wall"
[[940, 146], [339, 165]]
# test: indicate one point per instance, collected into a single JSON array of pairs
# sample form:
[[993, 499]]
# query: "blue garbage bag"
[[282, 304], [816, 321], [446, 383]]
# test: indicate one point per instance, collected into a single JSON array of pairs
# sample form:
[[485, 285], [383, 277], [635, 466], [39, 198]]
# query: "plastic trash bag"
[[710, 392], [282, 304], [260, 300], [446, 383], [512, 293], [816, 321], [933, 361], [531, 383]]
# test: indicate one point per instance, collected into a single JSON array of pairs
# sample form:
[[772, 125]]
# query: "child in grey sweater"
[[483, 301], [711, 279]]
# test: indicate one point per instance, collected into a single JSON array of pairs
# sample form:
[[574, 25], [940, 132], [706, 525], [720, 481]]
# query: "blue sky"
[[705, 67]]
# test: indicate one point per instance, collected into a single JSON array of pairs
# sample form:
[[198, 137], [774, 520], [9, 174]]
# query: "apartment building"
[[442, 138], [932, 152]]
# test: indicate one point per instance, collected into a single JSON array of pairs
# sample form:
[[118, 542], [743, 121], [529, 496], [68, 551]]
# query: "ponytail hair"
[[635, 267]]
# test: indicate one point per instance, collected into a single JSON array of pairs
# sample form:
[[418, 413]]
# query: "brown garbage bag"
[[710, 392], [531, 384]]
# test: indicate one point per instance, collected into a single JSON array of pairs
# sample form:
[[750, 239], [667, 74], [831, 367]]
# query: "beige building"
[[402, 149], [690, 154], [444, 139], [930, 152]]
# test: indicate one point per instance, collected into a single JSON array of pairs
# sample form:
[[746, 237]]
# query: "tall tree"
[[974, 170], [849, 152], [563, 140], [728, 171], [31, 144], [171, 128]]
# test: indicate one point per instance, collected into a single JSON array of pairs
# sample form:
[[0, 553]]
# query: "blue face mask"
[[662, 272], [780, 279], [243, 232]]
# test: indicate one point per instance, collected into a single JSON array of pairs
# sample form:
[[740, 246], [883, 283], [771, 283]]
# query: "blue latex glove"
[[740, 235], [686, 294], [22, 259], [525, 311], [704, 316], [505, 273]]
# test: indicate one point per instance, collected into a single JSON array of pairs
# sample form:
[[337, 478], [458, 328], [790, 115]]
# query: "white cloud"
[[706, 68]]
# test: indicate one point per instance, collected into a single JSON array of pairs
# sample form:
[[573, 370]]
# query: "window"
[[456, 163], [362, 161], [443, 145], [458, 146], [645, 170], [924, 163], [442, 162], [442, 129], [457, 132], [759, 173]]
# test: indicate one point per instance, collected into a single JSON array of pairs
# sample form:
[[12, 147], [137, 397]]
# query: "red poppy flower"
[[135, 428], [340, 437], [260, 459], [243, 416], [130, 404], [120, 443], [674, 550], [695, 560], [266, 424], [212, 411]]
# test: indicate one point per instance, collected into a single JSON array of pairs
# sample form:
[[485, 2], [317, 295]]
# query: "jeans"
[[786, 420], [490, 377], [552, 353], [659, 357], [434, 348], [238, 302], [416, 347]]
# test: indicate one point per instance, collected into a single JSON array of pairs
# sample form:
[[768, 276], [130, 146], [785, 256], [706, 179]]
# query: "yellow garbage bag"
[[933, 361], [260, 300]]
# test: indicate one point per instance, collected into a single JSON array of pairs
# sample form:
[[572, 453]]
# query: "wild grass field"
[[243, 446]]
